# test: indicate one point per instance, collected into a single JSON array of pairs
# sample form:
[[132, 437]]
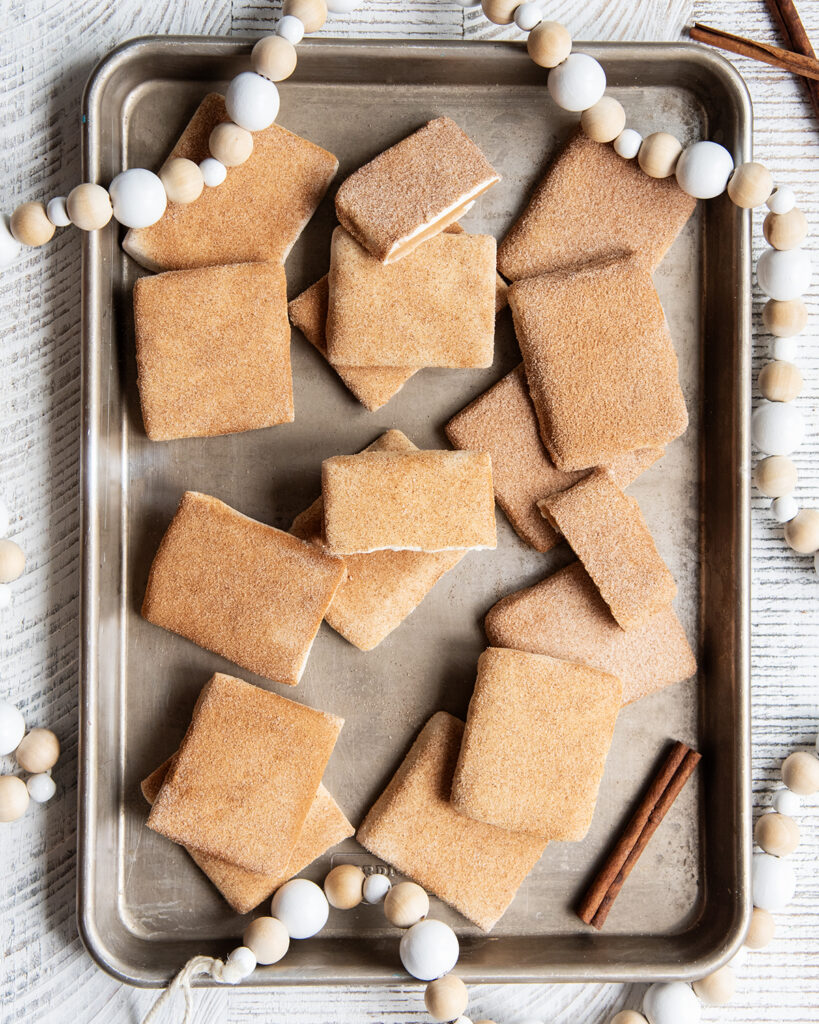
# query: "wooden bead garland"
[[35, 752]]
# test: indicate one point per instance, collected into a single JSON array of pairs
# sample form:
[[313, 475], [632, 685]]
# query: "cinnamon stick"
[[786, 60], [796, 38], [655, 803]]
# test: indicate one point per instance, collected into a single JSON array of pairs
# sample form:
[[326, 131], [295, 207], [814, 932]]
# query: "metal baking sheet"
[[144, 907]]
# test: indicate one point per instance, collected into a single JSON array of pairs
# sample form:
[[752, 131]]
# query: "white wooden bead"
[[777, 834], [274, 57], [302, 908], [786, 802], [406, 904], [311, 13], [30, 225], [761, 929], [775, 476], [267, 939], [785, 319], [446, 998], [5, 595], [659, 154], [12, 727], [671, 1002], [429, 950], [10, 248], [716, 989], [802, 535], [245, 960], [38, 751], [785, 230], [605, 121], [780, 381], [784, 275], [703, 169], [57, 212], [549, 44], [578, 83], [89, 206], [783, 348], [499, 12], [13, 798], [528, 15], [784, 508], [628, 1017], [213, 172], [182, 180], [773, 882], [345, 6], [230, 144], [376, 887], [12, 561], [41, 787], [781, 199], [138, 197], [627, 144], [750, 185], [292, 29], [777, 428], [252, 101], [344, 886]]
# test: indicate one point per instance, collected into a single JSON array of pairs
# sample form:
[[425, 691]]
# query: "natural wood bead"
[[274, 57], [785, 230], [13, 798], [802, 534], [230, 144], [182, 180], [785, 319], [344, 886], [761, 929], [38, 751], [659, 154], [549, 43], [775, 476], [500, 12], [446, 998], [800, 771], [718, 988], [30, 224], [12, 561], [311, 13], [750, 185], [267, 939], [777, 834], [605, 120], [406, 904], [628, 1017], [780, 381], [89, 206]]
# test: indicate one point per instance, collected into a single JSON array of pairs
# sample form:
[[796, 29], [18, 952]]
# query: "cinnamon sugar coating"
[[256, 214], [213, 350], [425, 181], [239, 588], [594, 205], [324, 827], [600, 365], [609, 535], [242, 782], [414, 501], [474, 867], [537, 736], [502, 422], [435, 307], [382, 587], [564, 616]]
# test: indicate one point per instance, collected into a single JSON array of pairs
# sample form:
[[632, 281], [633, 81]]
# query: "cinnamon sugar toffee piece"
[[436, 307], [239, 588], [609, 535], [594, 205], [242, 782], [600, 364], [213, 350], [411, 501], [324, 827], [382, 587], [502, 422], [537, 735], [564, 616], [256, 214], [474, 867], [413, 190]]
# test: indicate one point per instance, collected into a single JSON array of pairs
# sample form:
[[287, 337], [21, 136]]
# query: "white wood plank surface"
[[47, 49]]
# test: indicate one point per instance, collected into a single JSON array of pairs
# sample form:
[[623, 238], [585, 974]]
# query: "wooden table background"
[[48, 49]]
